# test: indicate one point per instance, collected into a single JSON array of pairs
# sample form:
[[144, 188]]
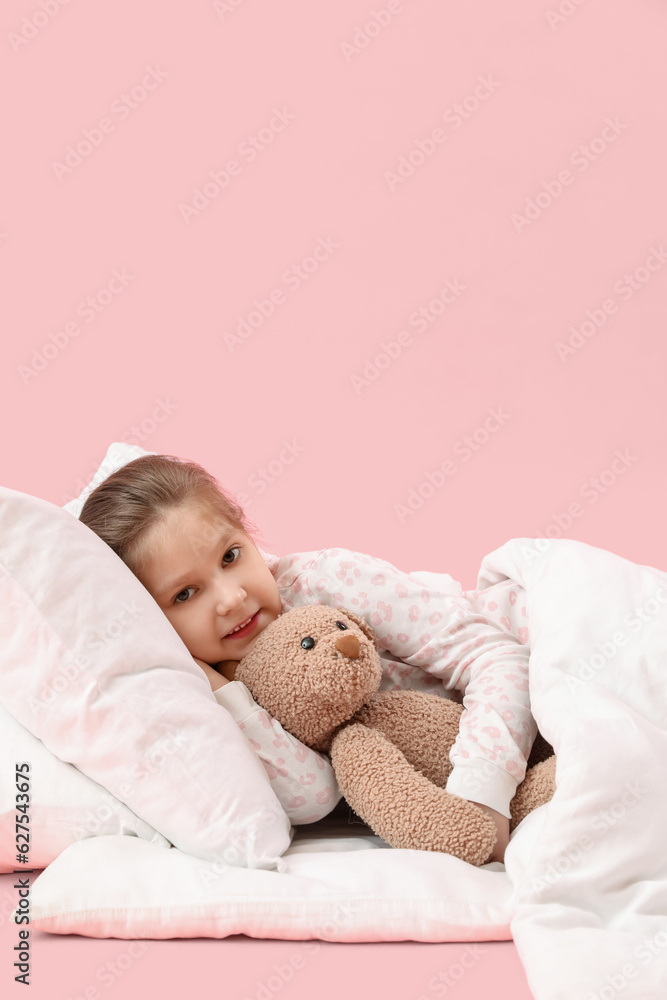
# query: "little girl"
[[191, 546]]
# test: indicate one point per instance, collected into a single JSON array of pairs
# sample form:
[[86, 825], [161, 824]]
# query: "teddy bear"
[[317, 670]]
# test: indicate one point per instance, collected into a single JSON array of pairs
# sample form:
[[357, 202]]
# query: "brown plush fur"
[[389, 749]]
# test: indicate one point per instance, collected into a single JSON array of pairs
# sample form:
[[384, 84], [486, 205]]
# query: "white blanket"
[[590, 879], [584, 893]]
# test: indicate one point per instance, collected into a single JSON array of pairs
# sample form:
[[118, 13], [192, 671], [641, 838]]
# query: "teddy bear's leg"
[[423, 726], [401, 805], [536, 788]]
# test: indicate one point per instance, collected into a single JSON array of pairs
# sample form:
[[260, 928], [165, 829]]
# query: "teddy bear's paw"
[[536, 788]]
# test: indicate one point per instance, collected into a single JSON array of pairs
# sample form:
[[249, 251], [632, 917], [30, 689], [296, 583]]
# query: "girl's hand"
[[503, 833], [215, 679]]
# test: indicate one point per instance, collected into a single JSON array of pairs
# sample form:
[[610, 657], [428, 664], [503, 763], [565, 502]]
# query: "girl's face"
[[208, 578]]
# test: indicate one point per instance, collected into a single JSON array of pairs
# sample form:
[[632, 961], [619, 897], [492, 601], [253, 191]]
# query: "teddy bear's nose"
[[348, 645]]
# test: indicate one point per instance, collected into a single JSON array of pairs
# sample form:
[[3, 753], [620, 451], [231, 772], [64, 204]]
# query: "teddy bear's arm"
[[401, 805], [423, 726]]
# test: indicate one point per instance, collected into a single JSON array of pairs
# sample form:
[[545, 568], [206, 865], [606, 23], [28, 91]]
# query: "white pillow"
[[65, 804], [93, 668], [339, 887]]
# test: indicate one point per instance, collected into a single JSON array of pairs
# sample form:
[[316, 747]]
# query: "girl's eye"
[[234, 548]]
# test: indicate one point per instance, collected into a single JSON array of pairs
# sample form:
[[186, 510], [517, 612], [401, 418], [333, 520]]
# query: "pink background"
[[153, 365]]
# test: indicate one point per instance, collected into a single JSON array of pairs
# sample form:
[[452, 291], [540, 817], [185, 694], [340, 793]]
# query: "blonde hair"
[[145, 496]]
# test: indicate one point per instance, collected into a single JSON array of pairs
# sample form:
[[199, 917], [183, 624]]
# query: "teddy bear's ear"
[[363, 625]]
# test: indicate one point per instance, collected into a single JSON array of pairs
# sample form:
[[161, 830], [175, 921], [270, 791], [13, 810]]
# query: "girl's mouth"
[[246, 630]]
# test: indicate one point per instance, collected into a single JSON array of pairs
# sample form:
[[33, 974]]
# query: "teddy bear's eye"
[[308, 642], [341, 624]]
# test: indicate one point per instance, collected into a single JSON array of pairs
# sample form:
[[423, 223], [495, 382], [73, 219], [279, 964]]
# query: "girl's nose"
[[229, 598]]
